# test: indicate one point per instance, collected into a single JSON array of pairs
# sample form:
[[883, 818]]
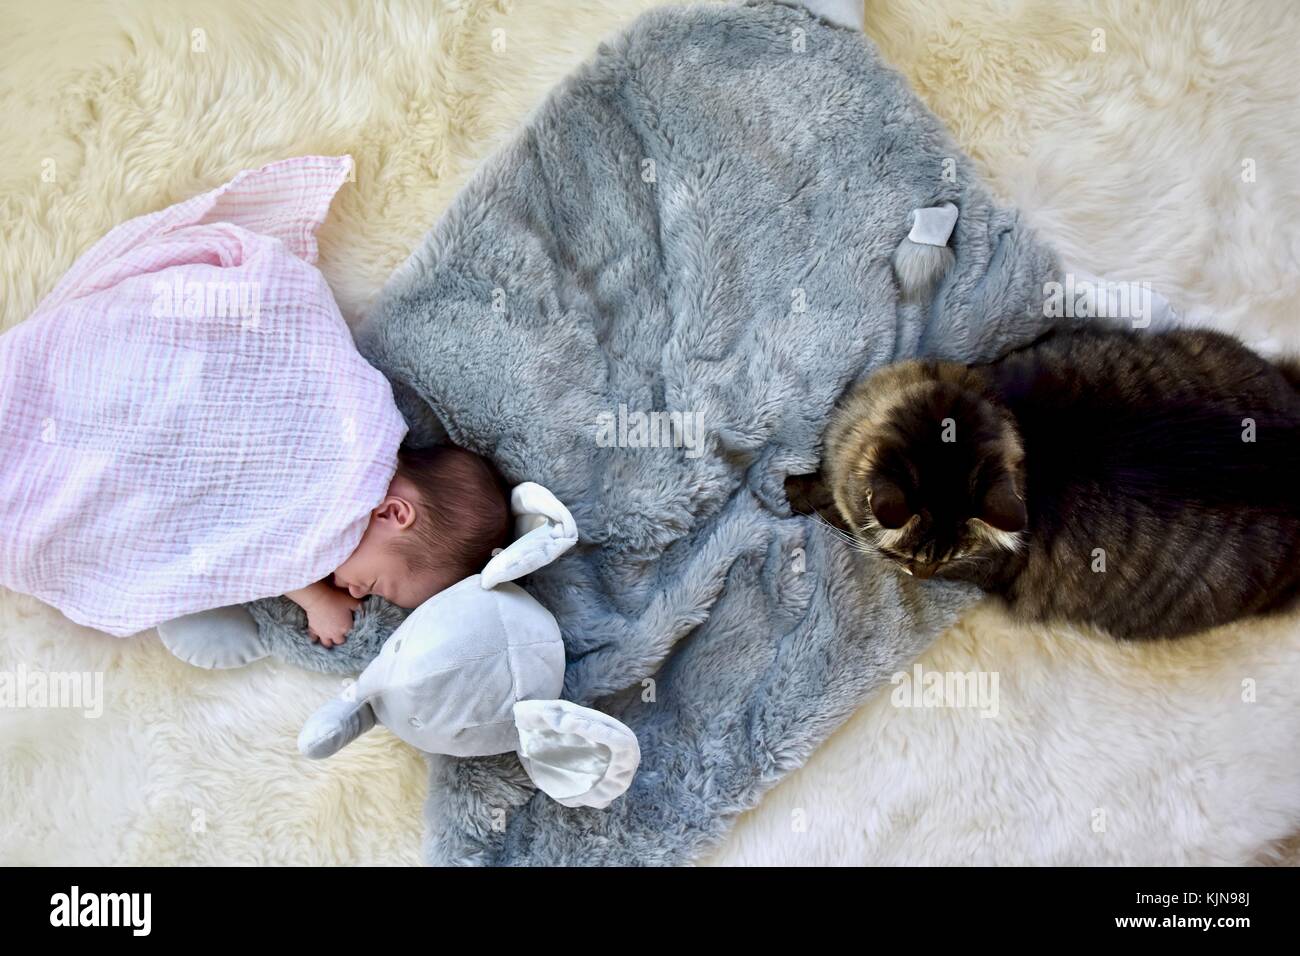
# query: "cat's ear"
[[888, 503], [1003, 509]]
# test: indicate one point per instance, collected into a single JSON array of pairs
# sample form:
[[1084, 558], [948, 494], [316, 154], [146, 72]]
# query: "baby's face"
[[377, 566]]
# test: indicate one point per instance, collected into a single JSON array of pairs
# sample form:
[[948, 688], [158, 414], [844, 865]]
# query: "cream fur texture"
[[1131, 159]]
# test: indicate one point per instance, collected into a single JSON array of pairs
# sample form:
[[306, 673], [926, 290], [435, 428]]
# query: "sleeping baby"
[[184, 410], [445, 513]]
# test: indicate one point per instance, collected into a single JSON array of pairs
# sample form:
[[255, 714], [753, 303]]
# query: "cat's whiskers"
[[853, 541]]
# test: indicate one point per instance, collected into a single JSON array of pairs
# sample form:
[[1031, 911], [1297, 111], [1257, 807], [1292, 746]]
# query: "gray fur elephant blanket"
[[649, 302]]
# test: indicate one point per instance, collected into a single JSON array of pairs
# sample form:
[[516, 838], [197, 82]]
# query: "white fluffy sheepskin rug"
[[1150, 142]]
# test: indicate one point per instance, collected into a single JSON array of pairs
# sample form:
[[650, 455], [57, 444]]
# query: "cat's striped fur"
[[1147, 484]]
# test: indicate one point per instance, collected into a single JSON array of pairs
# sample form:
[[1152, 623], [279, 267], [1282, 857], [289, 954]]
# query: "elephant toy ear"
[[221, 638], [334, 726], [547, 528], [577, 756]]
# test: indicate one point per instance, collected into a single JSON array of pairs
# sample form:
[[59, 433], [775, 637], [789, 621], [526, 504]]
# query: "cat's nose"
[[922, 571]]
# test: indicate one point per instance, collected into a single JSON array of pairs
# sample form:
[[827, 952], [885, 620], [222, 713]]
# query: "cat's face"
[[927, 472]]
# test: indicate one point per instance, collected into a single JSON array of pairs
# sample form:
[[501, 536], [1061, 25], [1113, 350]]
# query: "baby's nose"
[[352, 589]]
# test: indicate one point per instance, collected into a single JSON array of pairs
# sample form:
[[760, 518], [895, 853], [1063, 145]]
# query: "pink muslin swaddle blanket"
[[185, 422]]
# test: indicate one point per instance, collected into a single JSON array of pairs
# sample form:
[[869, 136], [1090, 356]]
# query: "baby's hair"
[[463, 513]]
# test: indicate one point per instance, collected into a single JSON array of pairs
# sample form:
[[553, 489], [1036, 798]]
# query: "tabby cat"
[[1147, 484]]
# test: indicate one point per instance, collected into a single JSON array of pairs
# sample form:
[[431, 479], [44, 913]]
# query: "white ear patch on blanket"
[[924, 257]]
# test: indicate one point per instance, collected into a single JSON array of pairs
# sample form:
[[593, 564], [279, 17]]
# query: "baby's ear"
[[399, 511], [1003, 509], [888, 503]]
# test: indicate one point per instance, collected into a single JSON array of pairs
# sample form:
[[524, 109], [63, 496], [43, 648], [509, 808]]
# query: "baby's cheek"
[[390, 565], [343, 569]]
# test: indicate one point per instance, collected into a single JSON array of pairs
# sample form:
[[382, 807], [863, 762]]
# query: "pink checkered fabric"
[[185, 422]]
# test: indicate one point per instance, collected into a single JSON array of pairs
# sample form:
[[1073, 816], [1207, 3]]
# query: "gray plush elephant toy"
[[479, 668]]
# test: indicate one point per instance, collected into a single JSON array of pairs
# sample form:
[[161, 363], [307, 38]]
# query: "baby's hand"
[[329, 612]]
